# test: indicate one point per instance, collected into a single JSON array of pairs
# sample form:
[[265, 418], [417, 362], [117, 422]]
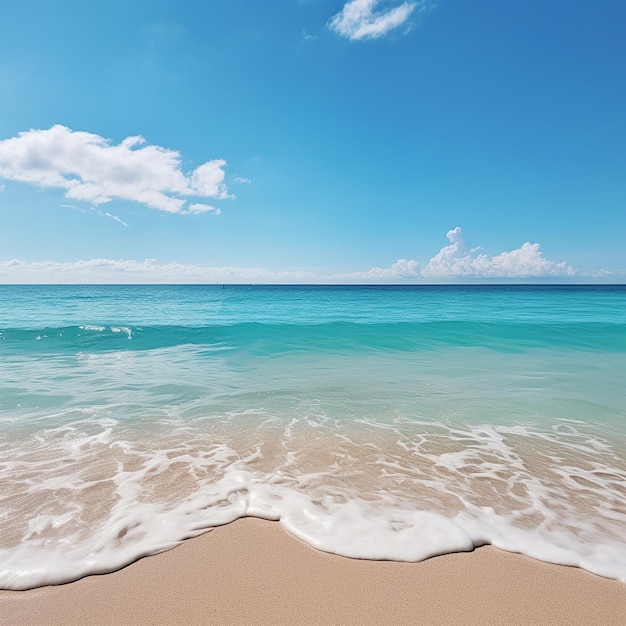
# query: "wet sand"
[[253, 572]]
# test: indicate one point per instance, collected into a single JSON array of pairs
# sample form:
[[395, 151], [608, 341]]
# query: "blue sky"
[[312, 141]]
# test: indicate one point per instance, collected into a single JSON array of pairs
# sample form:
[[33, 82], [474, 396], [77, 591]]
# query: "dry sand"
[[253, 572]]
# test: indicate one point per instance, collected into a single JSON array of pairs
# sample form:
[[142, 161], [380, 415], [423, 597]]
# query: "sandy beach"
[[253, 572]]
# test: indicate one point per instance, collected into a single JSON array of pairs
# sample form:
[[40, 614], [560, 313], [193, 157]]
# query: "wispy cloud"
[[242, 180], [89, 168], [132, 271], [453, 262], [203, 208], [115, 218], [402, 268], [363, 19], [97, 211]]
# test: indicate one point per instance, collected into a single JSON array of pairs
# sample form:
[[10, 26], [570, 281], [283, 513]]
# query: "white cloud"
[[453, 262], [242, 180], [306, 36], [402, 268], [359, 19], [458, 261], [208, 180], [115, 218], [147, 271], [604, 273], [89, 168], [203, 208]]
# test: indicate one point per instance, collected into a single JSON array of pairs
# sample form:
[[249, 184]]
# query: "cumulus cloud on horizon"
[[456, 261], [363, 19], [88, 168]]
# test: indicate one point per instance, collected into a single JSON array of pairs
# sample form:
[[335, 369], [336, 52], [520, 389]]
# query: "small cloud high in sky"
[[382, 141], [370, 19]]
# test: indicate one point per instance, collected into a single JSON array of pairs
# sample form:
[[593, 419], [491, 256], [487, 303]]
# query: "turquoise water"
[[374, 422]]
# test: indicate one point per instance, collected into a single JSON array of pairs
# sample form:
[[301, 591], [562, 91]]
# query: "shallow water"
[[374, 422]]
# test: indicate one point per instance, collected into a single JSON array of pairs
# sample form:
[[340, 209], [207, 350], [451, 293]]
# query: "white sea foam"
[[122, 329], [95, 495]]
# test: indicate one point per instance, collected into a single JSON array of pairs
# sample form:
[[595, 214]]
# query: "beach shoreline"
[[252, 571]]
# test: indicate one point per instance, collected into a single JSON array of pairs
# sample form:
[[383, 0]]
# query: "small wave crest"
[[267, 339]]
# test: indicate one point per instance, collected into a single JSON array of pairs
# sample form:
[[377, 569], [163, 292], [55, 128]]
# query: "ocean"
[[375, 422]]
